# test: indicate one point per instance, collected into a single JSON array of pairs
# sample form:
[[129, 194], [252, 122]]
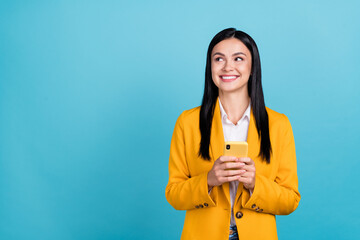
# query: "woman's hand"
[[225, 169], [248, 177]]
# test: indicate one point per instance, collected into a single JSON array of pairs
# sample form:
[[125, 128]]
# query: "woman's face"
[[231, 65]]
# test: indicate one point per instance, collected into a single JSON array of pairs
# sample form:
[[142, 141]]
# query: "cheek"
[[214, 69], [214, 75], [246, 69], [249, 67]]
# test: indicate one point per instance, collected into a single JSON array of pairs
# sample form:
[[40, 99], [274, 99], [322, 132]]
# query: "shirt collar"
[[224, 116]]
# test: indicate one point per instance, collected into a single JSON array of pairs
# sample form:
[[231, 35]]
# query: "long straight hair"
[[211, 93]]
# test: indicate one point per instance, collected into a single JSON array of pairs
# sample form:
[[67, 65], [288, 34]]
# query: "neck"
[[234, 104]]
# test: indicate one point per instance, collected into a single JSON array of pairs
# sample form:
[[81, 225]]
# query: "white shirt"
[[234, 132]]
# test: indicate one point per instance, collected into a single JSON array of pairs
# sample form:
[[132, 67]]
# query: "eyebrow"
[[221, 54]]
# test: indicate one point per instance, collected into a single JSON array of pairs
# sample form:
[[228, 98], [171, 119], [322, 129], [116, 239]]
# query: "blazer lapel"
[[217, 134], [217, 142], [253, 147], [253, 139]]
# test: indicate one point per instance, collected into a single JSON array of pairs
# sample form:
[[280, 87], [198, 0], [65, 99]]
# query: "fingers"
[[227, 159], [249, 172], [230, 168], [249, 168], [248, 177], [228, 173], [247, 161], [228, 162], [218, 177], [229, 179], [231, 165], [248, 183]]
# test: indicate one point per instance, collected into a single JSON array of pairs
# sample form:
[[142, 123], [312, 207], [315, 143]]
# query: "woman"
[[240, 203]]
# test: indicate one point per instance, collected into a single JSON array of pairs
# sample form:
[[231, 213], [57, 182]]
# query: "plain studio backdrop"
[[90, 92]]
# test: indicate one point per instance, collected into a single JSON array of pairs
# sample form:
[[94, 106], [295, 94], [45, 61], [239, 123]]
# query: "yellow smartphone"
[[236, 149]]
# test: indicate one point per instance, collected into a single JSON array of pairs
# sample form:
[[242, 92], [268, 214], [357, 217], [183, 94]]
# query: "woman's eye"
[[218, 59], [238, 59]]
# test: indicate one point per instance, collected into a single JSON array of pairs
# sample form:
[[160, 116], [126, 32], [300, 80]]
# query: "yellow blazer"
[[208, 215]]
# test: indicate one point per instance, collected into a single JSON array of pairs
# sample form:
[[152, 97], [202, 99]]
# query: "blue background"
[[90, 92]]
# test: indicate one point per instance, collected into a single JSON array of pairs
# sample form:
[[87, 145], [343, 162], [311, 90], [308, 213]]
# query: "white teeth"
[[228, 77]]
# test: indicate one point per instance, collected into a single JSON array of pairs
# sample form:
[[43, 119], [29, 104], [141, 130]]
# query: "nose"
[[228, 66]]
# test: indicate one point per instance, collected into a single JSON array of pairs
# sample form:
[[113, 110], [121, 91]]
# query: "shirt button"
[[239, 215]]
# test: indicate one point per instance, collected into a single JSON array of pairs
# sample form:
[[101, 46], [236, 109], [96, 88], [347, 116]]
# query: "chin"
[[230, 89]]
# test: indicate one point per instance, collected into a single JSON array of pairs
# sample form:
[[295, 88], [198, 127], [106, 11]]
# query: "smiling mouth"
[[228, 78]]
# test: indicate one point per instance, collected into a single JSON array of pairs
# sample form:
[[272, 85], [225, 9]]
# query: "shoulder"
[[189, 117], [277, 119]]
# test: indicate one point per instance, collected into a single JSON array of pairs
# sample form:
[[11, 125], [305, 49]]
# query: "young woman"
[[240, 203]]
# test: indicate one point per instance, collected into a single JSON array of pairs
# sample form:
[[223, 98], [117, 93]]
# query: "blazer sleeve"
[[185, 192], [279, 196]]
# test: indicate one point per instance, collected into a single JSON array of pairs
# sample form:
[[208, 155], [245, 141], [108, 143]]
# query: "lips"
[[228, 78]]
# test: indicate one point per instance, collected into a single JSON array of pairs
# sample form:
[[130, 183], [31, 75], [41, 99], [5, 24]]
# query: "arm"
[[281, 196], [185, 192]]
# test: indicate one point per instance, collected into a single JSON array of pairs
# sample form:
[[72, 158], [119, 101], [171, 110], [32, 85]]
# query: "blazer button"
[[197, 206], [201, 206], [253, 206], [206, 205], [257, 209], [261, 210], [239, 214]]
